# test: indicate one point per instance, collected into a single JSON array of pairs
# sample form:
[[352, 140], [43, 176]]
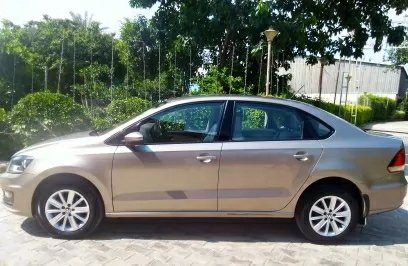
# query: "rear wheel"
[[327, 214], [68, 211]]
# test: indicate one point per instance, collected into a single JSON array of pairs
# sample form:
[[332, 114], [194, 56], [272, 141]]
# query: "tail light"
[[397, 163]]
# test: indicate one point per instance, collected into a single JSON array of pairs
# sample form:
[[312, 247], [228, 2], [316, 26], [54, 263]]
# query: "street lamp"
[[270, 35]]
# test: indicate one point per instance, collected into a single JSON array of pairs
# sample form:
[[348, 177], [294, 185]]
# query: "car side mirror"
[[133, 139]]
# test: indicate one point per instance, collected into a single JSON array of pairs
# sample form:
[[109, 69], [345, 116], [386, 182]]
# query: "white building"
[[378, 79]]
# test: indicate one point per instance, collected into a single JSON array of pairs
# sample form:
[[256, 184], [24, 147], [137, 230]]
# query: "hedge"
[[383, 107], [364, 113], [43, 115]]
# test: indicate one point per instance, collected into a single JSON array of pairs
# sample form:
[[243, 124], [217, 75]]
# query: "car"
[[212, 156]]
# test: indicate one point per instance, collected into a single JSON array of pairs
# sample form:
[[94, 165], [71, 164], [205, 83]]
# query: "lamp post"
[[270, 35]]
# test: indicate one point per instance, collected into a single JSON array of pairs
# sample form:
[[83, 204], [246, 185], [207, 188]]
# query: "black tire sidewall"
[[302, 215], [95, 211]]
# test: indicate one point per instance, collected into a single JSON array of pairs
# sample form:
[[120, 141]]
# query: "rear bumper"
[[387, 196], [17, 192]]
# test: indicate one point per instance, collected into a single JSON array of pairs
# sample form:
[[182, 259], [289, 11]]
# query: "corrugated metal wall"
[[365, 77]]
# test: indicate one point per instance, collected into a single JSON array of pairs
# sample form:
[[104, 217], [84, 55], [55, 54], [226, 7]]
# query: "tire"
[[331, 224], [71, 220]]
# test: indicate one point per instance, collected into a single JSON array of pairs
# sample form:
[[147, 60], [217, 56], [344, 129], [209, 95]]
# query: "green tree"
[[121, 110], [399, 55], [222, 29], [50, 53], [218, 81]]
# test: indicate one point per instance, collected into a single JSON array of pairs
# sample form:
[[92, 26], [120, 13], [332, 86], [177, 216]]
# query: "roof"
[[225, 97], [189, 99]]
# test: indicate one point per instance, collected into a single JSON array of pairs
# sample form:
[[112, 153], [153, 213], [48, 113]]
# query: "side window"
[[192, 123], [253, 118], [315, 129], [266, 122]]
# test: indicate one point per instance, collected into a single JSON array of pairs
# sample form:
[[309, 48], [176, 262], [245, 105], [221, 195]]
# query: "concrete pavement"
[[384, 241]]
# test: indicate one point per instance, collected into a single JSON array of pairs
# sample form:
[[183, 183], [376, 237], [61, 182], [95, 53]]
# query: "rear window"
[[275, 122]]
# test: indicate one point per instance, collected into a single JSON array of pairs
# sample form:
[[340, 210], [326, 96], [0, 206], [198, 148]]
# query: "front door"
[[273, 149], [177, 167]]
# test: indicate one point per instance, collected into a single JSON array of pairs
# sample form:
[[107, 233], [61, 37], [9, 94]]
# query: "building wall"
[[365, 78], [403, 85]]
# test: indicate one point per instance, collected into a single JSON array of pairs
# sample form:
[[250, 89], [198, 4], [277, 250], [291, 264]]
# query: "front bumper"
[[17, 190]]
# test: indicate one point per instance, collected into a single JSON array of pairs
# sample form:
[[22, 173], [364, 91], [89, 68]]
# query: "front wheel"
[[68, 211], [327, 215]]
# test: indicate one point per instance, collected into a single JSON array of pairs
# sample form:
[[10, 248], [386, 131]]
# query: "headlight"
[[18, 164]]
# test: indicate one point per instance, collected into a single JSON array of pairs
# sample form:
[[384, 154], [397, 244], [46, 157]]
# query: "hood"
[[68, 141]]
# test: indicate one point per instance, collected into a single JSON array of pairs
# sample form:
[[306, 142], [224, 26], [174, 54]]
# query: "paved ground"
[[384, 241]]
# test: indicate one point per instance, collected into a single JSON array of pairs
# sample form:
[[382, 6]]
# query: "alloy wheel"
[[330, 216], [67, 210]]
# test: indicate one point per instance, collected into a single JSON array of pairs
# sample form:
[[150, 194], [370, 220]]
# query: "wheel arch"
[[64, 178], [344, 183]]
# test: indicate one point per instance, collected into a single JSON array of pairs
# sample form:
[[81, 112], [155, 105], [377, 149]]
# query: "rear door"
[[270, 154]]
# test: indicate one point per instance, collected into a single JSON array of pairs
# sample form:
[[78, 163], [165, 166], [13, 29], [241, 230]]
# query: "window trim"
[[299, 112], [116, 139]]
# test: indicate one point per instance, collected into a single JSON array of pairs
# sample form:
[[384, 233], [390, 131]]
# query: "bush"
[[363, 116], [403, 107], [383, 107], [98, 118], [2, 115], [398, 115], [43, 115], [8, 143], [122, 110], [364, 113]]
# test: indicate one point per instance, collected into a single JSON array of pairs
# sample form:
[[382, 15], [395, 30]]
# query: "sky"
[[111, 12]]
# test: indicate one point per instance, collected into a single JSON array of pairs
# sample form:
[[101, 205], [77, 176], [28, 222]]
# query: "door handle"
[[204, 158], [301, 156]]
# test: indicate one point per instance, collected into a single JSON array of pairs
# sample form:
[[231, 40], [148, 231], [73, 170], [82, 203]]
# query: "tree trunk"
[[60, 66], [320, 81]]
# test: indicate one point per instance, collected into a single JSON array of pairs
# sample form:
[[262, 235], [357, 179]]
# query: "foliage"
[[8, 143], [401, 111], [311, 29], [383, 107], [364, 113], [399, 56], [98, 117], [253, 118], [79, 59], [2, 115], [406, 111], [398, 115], [218, 81], [122, 110], [43, 115], [53, 53]]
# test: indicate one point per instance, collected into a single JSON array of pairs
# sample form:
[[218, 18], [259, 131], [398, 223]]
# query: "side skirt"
[[201, 214]]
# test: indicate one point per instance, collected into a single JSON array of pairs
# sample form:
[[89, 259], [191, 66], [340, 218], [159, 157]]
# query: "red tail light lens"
[[397, 163]]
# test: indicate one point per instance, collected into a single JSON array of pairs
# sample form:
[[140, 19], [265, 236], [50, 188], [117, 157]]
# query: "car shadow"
[[383, 229]]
